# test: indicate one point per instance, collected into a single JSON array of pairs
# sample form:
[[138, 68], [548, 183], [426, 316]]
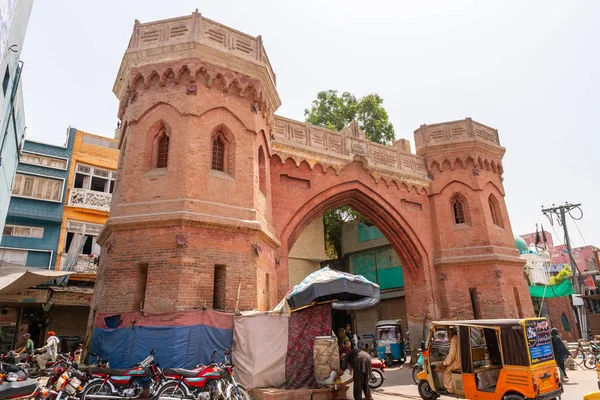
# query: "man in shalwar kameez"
[[360, 363], [451, 362]]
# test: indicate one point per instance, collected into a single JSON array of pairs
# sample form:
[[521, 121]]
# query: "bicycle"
[[583, 357]]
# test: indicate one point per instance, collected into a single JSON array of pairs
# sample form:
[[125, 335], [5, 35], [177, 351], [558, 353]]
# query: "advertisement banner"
[[72, 299], [539, 341]]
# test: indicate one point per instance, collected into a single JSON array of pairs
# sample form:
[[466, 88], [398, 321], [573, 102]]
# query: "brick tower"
[[473, 242], [190, 223]]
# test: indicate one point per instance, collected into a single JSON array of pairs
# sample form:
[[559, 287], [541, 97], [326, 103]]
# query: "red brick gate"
[[214, 189]]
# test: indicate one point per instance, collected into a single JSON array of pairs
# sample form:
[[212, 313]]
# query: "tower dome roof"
[[521, 245]]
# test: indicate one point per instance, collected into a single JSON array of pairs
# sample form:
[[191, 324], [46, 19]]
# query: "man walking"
[[360, 363]]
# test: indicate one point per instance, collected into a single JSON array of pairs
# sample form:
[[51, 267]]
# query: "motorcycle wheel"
[[376, 379], [94, 388], [425, 391], [416, 370], [239, 393], [171, 389]]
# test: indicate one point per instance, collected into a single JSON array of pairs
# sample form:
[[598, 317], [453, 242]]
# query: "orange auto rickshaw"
[[500, 359]]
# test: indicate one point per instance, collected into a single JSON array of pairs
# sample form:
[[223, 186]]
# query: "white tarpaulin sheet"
[[16, 277], [260, 342]]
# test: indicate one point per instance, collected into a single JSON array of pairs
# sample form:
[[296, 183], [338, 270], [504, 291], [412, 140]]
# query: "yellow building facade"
[[90, 185]]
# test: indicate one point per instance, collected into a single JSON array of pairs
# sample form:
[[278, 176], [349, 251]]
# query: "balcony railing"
[[85, 264], [90, 199]]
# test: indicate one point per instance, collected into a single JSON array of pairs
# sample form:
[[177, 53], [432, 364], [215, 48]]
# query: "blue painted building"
[[14, 17], [32, 228]]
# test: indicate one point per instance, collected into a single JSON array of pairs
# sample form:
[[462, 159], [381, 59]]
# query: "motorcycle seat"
[[14, 389], [186, 373], [107, 371]]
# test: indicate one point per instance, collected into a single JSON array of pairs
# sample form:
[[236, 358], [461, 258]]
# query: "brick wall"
[[556, 308], [69, 320]]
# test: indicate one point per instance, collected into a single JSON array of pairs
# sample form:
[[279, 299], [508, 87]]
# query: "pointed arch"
[[262, 171], [495, 212], [222, 142], [219, 82], [137, 82], [460, 209], [161, 143], [153, 80], [183, 74], [167, 77]]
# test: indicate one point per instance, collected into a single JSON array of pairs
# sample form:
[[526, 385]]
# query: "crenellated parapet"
[[315, 145]]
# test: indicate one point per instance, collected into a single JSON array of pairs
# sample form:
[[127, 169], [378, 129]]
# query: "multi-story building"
[[30, 237], [90, 186], [14, 17], [367, 252], [539, 270], [60, 201]]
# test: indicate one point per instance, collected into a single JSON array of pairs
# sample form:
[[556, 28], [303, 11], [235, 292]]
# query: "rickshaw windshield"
[[388, 333]]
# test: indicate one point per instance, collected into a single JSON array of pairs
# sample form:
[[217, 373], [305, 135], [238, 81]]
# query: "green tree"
[[332, 111]]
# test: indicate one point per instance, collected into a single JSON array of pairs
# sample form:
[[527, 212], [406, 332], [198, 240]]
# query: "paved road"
[[399, 385]]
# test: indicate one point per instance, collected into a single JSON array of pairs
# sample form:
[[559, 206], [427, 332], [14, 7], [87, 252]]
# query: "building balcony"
[[90, 199], [85, 264]]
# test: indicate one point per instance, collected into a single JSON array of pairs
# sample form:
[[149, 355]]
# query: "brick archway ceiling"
[[371, 205]]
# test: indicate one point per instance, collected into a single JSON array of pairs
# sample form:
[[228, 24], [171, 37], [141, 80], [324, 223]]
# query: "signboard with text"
[[72, 299], [539, 341], [25, 296]]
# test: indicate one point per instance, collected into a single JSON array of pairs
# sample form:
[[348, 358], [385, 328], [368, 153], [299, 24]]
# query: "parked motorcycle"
[[142, 380], [377, 377], [417, 367], [66, 382], [16, 384], [201, 383], [233, 390]]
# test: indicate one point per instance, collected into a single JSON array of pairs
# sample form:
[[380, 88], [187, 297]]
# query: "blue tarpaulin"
[[183, 346]]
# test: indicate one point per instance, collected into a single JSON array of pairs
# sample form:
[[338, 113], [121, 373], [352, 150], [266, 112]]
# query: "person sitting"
[[452, 361], [51, 348], [28, 347]]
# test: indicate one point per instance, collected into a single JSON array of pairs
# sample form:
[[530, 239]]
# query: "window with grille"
[[459, 211], [218, 153], [162, 157]]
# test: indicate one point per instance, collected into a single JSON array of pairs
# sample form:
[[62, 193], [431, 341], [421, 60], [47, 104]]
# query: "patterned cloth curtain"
[[304, 326]]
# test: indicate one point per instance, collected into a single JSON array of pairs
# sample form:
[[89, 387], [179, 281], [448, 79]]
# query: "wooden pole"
[[237, 300]]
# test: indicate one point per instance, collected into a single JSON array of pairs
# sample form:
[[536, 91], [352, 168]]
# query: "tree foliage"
[[332, 111]]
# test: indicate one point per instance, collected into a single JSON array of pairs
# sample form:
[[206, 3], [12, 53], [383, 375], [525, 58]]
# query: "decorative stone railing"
[[86, 264], [197, 28], [90, 199], [302, 141], [465, 130]]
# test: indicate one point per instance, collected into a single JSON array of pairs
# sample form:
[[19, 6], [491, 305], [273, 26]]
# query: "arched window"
[[495, 211], [162, 154], [459, 210], [218, 153], [262, 171], [565, 323]]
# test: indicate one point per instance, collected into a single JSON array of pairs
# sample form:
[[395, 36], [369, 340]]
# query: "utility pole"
[[561, 213]]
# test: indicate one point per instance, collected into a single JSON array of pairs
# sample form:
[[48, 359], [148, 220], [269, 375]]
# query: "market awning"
[[563, 289], [16, 277], [344, 290]]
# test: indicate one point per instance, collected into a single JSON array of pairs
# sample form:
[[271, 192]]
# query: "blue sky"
[[529, 69]]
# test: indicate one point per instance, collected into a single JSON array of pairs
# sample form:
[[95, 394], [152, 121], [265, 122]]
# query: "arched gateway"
[[214, 189]]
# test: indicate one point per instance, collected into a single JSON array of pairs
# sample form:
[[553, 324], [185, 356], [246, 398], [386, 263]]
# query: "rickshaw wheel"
[[388, 361], [513, 397], [425, 391]]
